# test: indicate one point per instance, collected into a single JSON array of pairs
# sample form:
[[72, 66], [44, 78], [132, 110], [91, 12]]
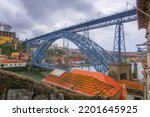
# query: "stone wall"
[[120, 69], [17, 87]]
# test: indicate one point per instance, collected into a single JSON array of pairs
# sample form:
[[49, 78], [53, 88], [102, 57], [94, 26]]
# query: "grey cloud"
[[19, 21], [30, 18], [40, 10]]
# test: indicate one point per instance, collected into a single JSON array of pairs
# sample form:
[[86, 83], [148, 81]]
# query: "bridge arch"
[[96, 55]]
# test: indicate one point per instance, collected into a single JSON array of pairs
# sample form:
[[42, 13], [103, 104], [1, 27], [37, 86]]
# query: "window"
[[123, 76], [137, 98]]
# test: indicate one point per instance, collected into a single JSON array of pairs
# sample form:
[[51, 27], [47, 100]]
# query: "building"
[[4, 40], [143, 12], [6, 36], [120, 71], [93, 84], [135, 91], [12, 64], [5, 27], [3, 57], [77, 60], [24, 56], [15, 55]]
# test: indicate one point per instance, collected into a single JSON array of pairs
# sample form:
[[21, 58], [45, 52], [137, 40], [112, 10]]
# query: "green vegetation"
[[1, 66], [113, 75], [6, 49], [15, 46]]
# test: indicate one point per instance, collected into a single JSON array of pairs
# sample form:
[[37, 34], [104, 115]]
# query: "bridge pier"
[[119, 47]]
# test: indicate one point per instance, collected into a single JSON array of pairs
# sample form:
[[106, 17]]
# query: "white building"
[[3, 57], [12, 63]]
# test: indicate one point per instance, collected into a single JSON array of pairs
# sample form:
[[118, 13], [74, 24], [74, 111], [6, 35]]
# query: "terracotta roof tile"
[[98, 75], [11, 61], [132, 85], [87, 85]]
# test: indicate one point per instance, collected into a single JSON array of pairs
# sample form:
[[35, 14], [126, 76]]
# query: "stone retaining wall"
[[18, 87]]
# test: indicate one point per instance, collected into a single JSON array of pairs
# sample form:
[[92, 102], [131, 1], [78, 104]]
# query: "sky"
[[30, 18]]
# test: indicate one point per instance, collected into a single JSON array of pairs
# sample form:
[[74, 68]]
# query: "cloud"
[[30, 18], [50, 11], [15, 16]]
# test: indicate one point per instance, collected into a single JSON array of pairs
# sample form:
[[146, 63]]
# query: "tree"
[[113, 75], [2, 66]]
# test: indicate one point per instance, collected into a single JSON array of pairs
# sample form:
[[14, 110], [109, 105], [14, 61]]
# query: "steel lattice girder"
[[119, 43], [97, 56], [126, 16]]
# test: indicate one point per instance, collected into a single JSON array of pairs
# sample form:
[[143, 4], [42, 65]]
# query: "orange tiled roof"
[[83, 84], [10, 61], [3, 56], [97, 75], [124, 92], [77, 58], [132, 85]]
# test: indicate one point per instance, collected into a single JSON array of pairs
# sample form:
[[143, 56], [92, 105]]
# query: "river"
[[39, 75]]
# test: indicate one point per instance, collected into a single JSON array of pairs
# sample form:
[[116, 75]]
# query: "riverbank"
[[39, 75], [36, 75]]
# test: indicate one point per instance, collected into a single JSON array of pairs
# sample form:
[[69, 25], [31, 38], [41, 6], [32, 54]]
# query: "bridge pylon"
[[119, 47]]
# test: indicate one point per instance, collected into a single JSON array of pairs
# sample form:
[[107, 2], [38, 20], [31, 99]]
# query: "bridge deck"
[[123, 17]]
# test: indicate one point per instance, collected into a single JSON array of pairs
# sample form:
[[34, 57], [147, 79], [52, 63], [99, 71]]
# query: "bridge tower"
[[119, 47]]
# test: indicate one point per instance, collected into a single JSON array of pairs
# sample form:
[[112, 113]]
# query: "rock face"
[[19, 94], [17, 87]]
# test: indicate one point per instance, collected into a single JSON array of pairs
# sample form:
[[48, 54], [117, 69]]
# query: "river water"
[[39, 75]]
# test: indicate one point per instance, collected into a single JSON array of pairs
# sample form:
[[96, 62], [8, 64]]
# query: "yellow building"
[[4, 39], [15, 55]]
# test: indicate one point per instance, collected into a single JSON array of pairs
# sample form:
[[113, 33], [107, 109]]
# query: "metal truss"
[[97, 56], [126, 16], [119, 48]]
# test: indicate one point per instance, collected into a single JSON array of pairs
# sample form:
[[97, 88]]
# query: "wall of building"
[[134, 97], [120, 69], [11, 65], [8, 34], [4, 39]]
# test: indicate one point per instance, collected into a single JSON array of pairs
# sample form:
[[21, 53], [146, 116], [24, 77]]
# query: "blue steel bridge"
[[97, 56]]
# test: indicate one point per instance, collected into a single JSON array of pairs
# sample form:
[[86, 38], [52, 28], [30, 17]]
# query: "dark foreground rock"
[[17, 87]]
